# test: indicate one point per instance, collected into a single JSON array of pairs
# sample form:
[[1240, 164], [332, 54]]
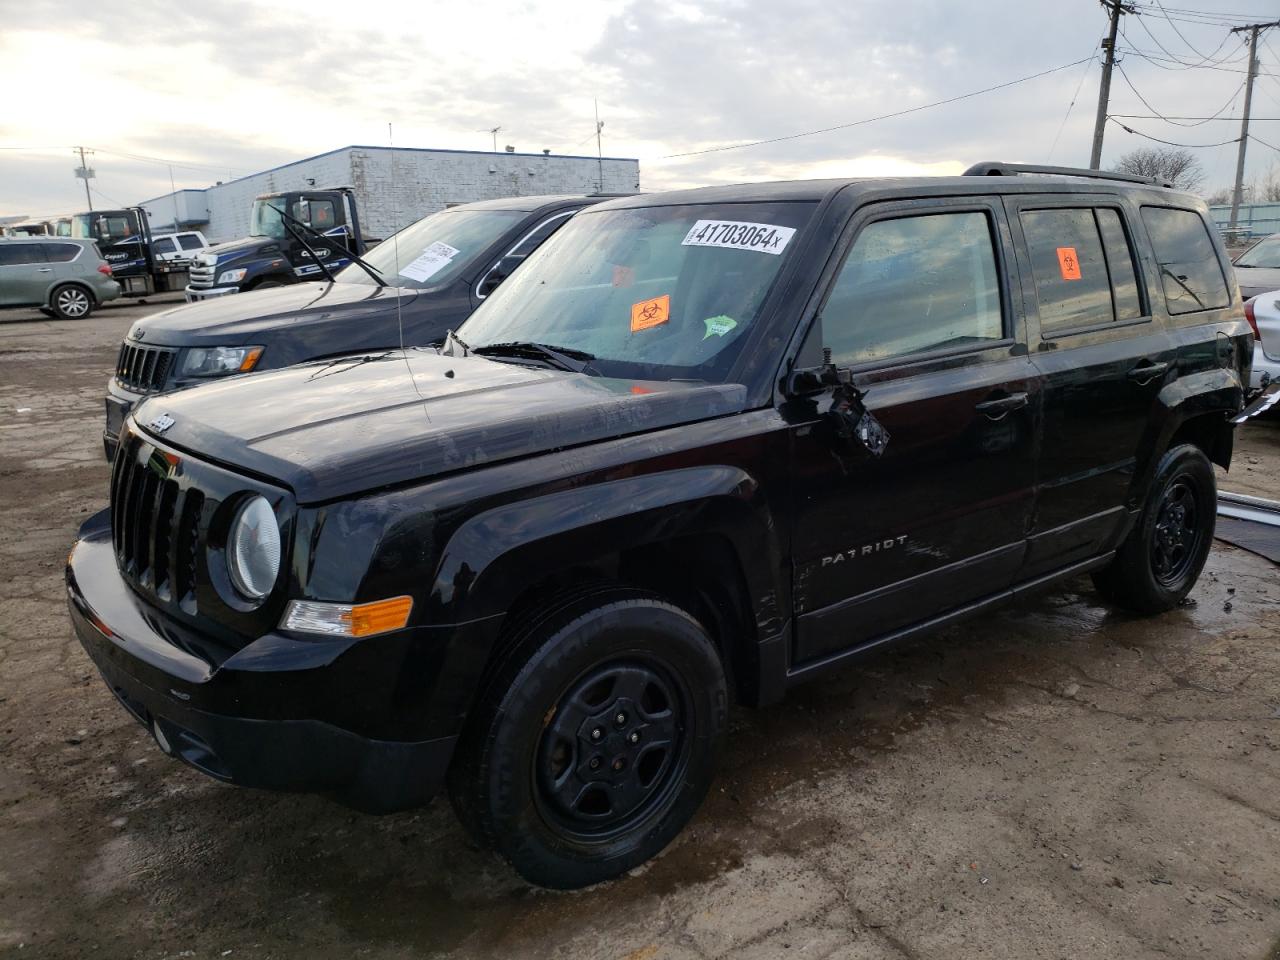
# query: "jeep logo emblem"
[[161, 423]]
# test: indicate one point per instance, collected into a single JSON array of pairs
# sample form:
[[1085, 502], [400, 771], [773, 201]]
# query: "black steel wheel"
[[614, 749], [1161, 559], [595, 739], [1177, 532]]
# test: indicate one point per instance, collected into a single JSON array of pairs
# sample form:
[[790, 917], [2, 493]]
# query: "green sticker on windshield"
[[718, 326]]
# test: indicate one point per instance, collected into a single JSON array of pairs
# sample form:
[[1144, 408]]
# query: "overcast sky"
[[228, 89]]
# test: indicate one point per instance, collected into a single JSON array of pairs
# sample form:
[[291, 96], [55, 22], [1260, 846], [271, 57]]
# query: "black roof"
[[813, 190]]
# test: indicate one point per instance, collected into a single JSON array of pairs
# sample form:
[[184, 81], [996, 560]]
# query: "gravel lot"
[[1053, 781]]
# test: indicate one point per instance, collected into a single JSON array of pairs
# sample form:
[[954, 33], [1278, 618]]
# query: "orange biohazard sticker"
[[1069, 263], [650, 313]]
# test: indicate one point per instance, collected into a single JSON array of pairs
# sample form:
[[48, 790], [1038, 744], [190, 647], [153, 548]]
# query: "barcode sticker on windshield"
[[430, 262], [736, 235]]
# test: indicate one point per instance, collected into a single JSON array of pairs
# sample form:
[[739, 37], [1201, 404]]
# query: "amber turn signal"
[[345, 619]]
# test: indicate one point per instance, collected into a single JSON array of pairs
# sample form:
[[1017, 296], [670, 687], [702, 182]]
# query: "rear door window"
[[1073, 286], [1189, 269], [915, 284]]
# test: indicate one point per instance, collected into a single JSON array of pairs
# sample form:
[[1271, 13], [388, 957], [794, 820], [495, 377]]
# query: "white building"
[[393, 187]]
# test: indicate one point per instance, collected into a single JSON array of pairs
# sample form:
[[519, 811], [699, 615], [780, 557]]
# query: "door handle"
[[1145, 372], [45, 270], [999, 408]]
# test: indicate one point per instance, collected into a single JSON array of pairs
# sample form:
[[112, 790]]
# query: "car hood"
[[1256, 280], [334, 429], [235, 248], [234, 320]]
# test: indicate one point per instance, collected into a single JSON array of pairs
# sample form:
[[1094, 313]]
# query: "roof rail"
[[994, 168]]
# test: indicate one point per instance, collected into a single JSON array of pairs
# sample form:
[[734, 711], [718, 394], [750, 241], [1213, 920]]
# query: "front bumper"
[[196, 294], [202, 708]]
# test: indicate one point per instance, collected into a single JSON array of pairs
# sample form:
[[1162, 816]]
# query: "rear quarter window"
[[61, 252], [1190, 273]]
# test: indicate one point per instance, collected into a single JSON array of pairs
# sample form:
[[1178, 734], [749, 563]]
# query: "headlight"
[[232, 276], [253, 549], [219, 361]]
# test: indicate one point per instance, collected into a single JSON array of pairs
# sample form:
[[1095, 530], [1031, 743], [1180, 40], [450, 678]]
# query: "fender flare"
[[496, 555], [1207, 392]]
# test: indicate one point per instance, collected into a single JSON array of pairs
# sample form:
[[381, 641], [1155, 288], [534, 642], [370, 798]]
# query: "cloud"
[[241, 86]]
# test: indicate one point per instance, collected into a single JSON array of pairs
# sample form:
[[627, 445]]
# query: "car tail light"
[[105, 270], [1253, 321]]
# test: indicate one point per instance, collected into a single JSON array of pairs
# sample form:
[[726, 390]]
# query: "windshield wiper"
[[371, 271], [563, 358], [353, 361]]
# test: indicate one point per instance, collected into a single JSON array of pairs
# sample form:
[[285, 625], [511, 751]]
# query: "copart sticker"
[[430, 262], [718, 326], [736, 235], [1069, 263], [650, 313]]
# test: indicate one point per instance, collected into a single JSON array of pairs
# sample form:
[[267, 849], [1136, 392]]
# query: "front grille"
[[155, 526], [144, 369], [202, 273]]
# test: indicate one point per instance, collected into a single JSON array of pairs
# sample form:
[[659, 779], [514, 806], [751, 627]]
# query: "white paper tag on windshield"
[[736, 235], [432, 260]]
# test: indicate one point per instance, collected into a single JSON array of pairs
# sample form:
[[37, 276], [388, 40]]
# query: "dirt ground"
[[1054, 781]]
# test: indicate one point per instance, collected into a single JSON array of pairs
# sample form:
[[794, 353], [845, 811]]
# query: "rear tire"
[[1161, 559], [71, 302], [594, 740]]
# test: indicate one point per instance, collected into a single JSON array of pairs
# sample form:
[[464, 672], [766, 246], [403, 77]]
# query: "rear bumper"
[[203, 713], [1265, 370]]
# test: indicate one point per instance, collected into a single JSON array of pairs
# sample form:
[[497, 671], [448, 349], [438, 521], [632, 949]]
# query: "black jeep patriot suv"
[[706, 445]]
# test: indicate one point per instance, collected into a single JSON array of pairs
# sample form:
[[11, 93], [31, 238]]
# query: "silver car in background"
[[64, 278], [1258, 268]]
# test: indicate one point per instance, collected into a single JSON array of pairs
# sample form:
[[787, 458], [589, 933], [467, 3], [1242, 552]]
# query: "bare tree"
[[1179, 167], [1219, 198], [1268, 191]]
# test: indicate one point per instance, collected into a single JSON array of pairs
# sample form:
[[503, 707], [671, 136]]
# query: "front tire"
[[1161, 559], [595, 740], [71, 302]]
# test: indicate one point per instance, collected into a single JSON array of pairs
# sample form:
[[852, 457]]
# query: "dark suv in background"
[[422, 281], [704, 446]]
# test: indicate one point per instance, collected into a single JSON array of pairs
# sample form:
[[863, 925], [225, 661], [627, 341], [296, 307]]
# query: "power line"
[[1170, 143], [1167, 119], [1158, 116], [883, 116], [1075, 96], [1263, 142], [1155, 58], [1182, 37]]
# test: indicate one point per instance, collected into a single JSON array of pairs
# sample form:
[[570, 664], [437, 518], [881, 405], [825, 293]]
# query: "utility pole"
[[1253, 29], [85, 173], [599, 150], [1117, 9]]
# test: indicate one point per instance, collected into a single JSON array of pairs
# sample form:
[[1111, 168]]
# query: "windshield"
[[435, 249], [110, 227], [266, 220], [1264, 253], [655, 293]]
